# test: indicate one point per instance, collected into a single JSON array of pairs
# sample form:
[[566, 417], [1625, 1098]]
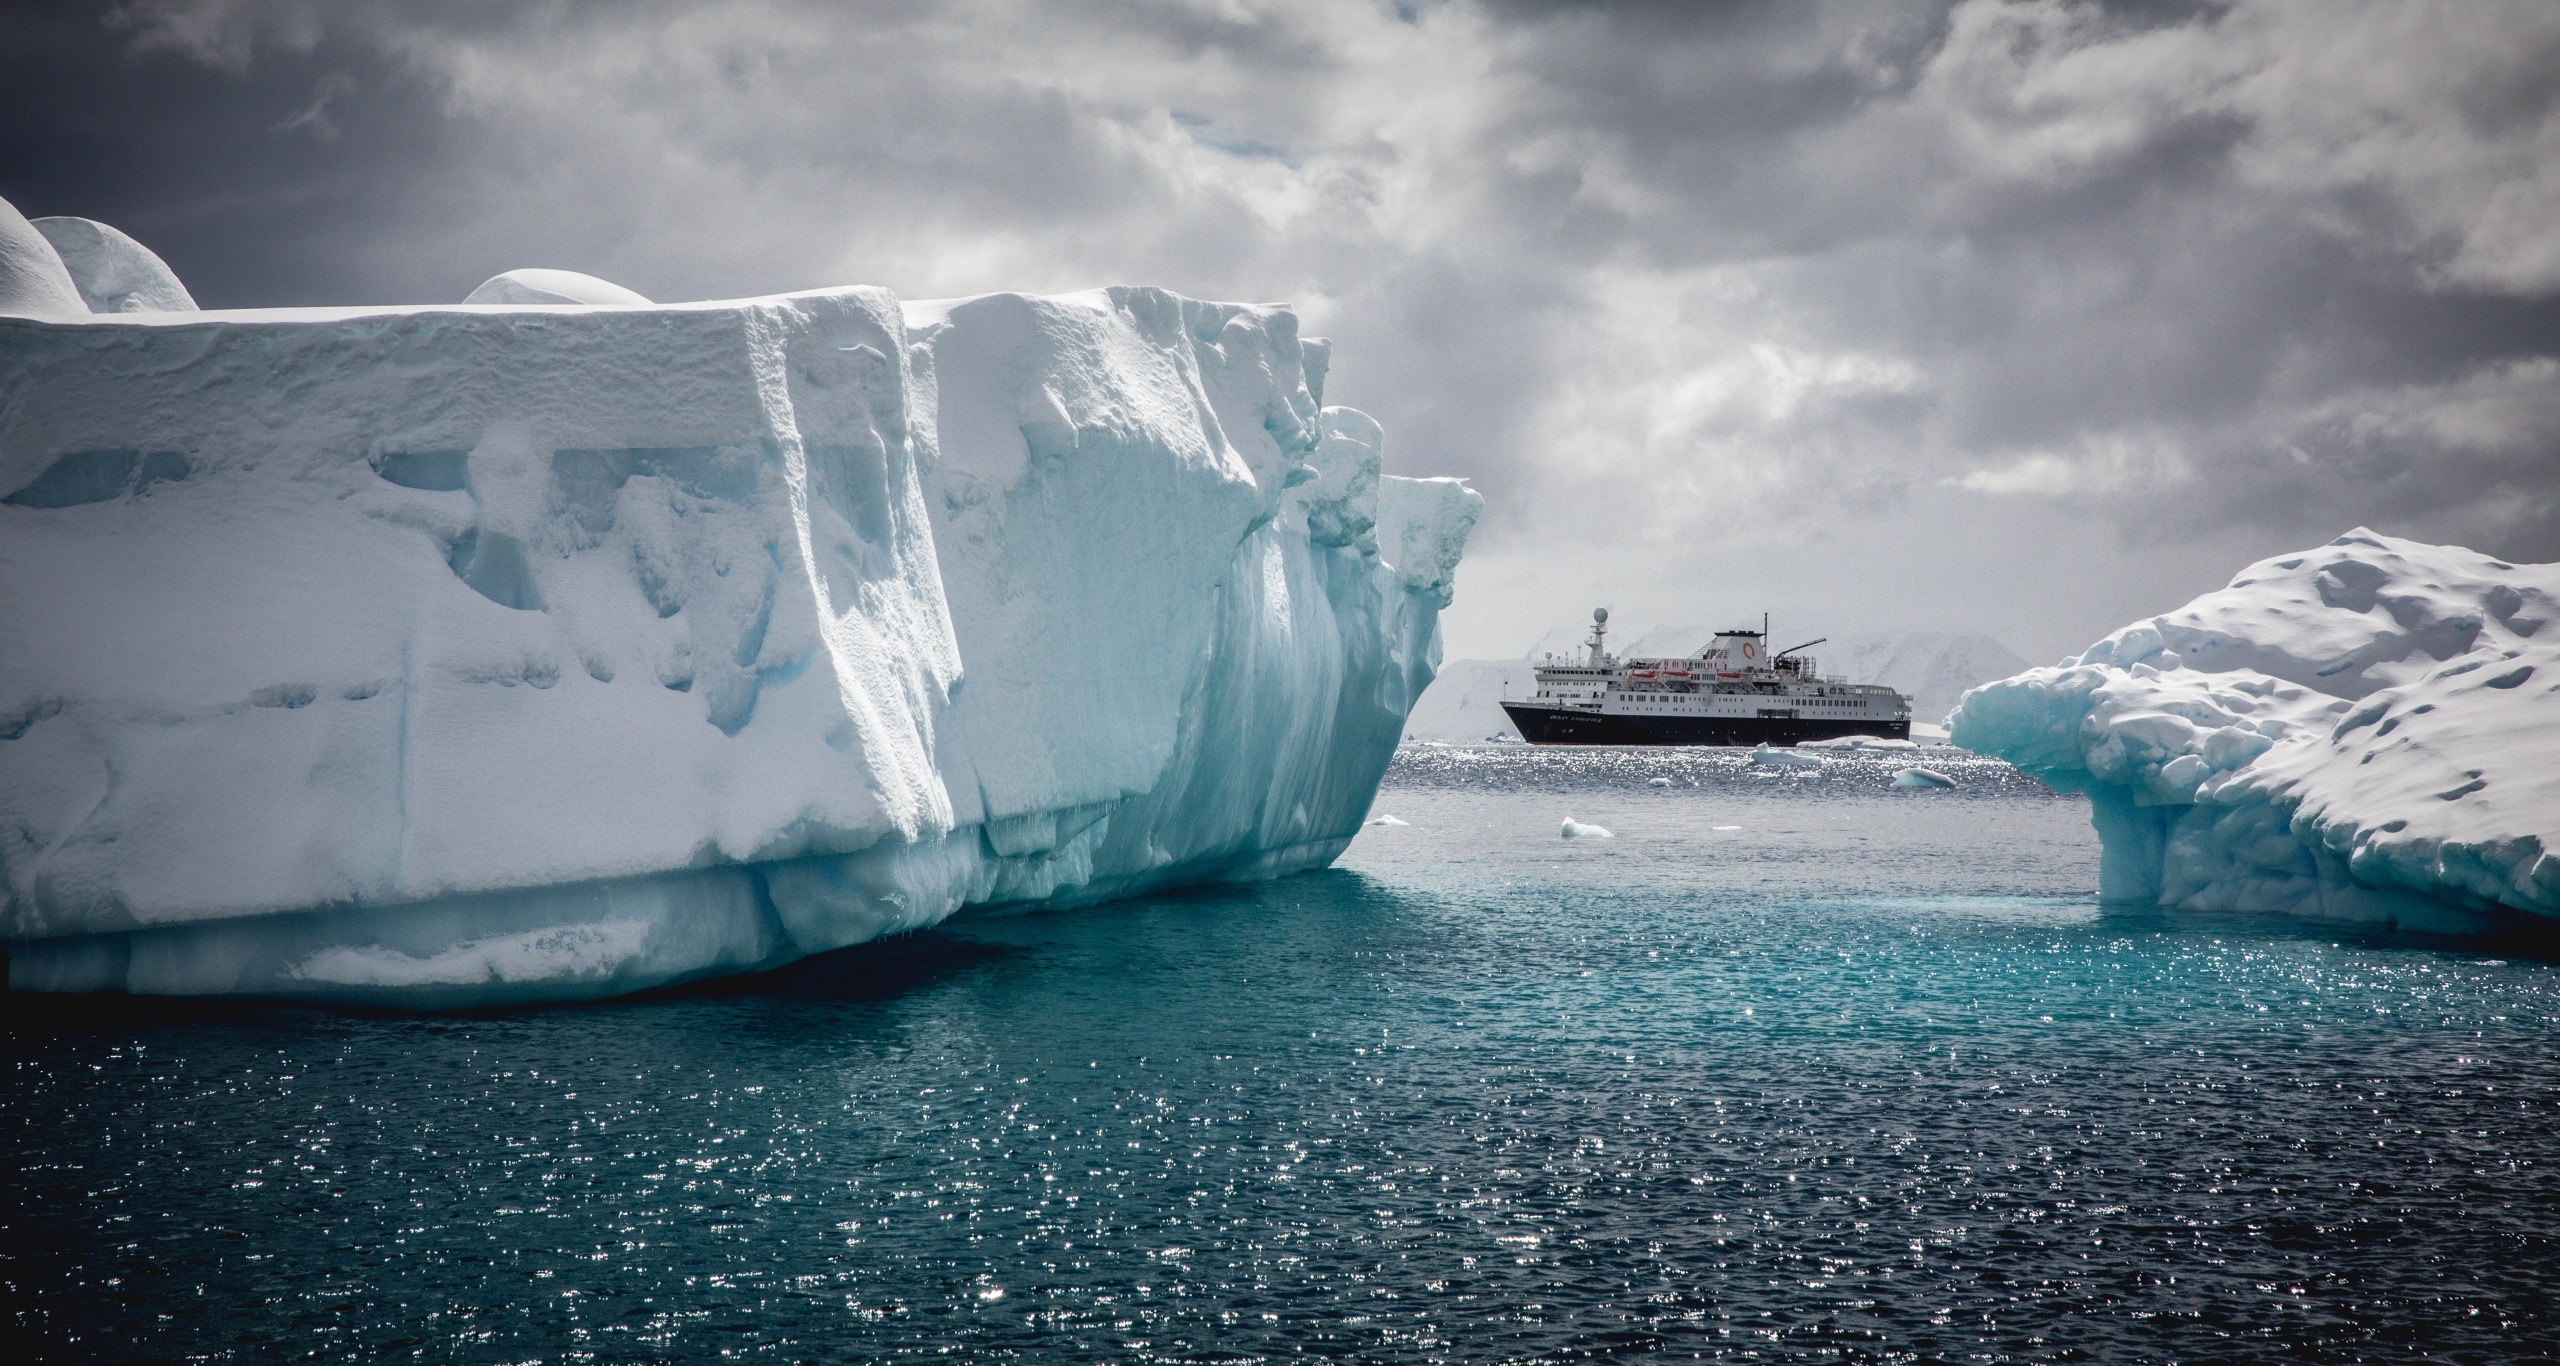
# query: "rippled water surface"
[[1799, 1066]]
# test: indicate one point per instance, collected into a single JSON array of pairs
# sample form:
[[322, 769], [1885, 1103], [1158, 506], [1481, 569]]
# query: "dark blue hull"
[[1569, 726]]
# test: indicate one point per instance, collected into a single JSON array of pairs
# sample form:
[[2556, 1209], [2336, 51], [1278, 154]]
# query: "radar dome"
[[1600, 614]]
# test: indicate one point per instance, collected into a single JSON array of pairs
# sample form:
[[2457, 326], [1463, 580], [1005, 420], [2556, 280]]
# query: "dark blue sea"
[[1799, 1066]]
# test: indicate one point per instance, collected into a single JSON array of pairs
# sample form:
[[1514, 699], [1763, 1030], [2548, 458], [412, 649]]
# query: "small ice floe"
[[1766, 757], [1386, 820], [1922, 777], [1576, 830], [1658, 782], [1724, 827], [1857, 742]]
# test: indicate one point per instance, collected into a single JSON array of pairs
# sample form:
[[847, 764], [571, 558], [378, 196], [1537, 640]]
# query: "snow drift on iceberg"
[[532, 651], [2369, 731]]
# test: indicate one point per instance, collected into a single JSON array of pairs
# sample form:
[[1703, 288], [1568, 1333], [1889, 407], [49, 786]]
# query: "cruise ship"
[[1733, 692]]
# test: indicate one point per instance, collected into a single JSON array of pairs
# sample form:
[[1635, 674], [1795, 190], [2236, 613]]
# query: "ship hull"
[[1576, 726]]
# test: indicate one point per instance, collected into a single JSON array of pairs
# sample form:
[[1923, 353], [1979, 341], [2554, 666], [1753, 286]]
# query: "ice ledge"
[[2366, 732]]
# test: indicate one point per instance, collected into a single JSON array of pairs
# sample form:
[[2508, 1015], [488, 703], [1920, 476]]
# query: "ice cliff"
[[542, 649], [2369, 731]]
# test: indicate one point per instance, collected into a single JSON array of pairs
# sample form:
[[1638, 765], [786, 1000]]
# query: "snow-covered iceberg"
[[2369, 731], [513, 651]]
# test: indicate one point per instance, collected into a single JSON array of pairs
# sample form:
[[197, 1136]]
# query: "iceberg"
[[1577, 830], [540, 650], [2366, 732]]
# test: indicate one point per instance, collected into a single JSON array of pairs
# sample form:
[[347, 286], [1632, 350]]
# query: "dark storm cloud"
[[2213, 268], [207, 163], [2262, 270]]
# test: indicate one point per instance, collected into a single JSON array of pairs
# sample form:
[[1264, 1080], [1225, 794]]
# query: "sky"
[[2022, 319]]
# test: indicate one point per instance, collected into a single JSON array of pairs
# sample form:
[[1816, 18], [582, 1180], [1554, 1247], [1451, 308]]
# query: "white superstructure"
[[1732, 691]]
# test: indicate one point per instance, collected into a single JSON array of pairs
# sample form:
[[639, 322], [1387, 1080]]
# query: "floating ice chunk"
[[1922, 777], [114, 273], [1724, 827], [2366, 731], [1766, 757], [1657, 782], [1576, 830], [33, 281], [533, 285], [1857, 742], [1387, 820]]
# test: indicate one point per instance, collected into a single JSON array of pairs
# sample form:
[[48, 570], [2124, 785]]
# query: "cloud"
[[1658, 277], [313, 118]]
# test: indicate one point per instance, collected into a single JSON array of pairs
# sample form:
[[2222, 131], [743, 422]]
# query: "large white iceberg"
[[2369, 731], [496, 652]]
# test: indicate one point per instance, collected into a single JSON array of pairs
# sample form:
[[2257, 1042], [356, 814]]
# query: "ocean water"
[[1798, 1067]]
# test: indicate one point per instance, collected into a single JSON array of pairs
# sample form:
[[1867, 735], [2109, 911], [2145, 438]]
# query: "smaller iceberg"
[[2368, 731], [1576, 830], [1922, 778], [1766, 757]]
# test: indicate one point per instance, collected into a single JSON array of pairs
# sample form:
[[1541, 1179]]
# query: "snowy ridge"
[[2368, 731], [500, 652], [114, 273]]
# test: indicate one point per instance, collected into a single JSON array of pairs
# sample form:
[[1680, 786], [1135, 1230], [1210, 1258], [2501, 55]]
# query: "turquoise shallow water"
[[1797, 1067]]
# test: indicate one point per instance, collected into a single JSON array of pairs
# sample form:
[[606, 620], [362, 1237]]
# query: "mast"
[[1599, 636]]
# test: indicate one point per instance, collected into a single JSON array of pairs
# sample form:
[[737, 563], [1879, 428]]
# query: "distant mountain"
[[1934, 667], [1464, 704]]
